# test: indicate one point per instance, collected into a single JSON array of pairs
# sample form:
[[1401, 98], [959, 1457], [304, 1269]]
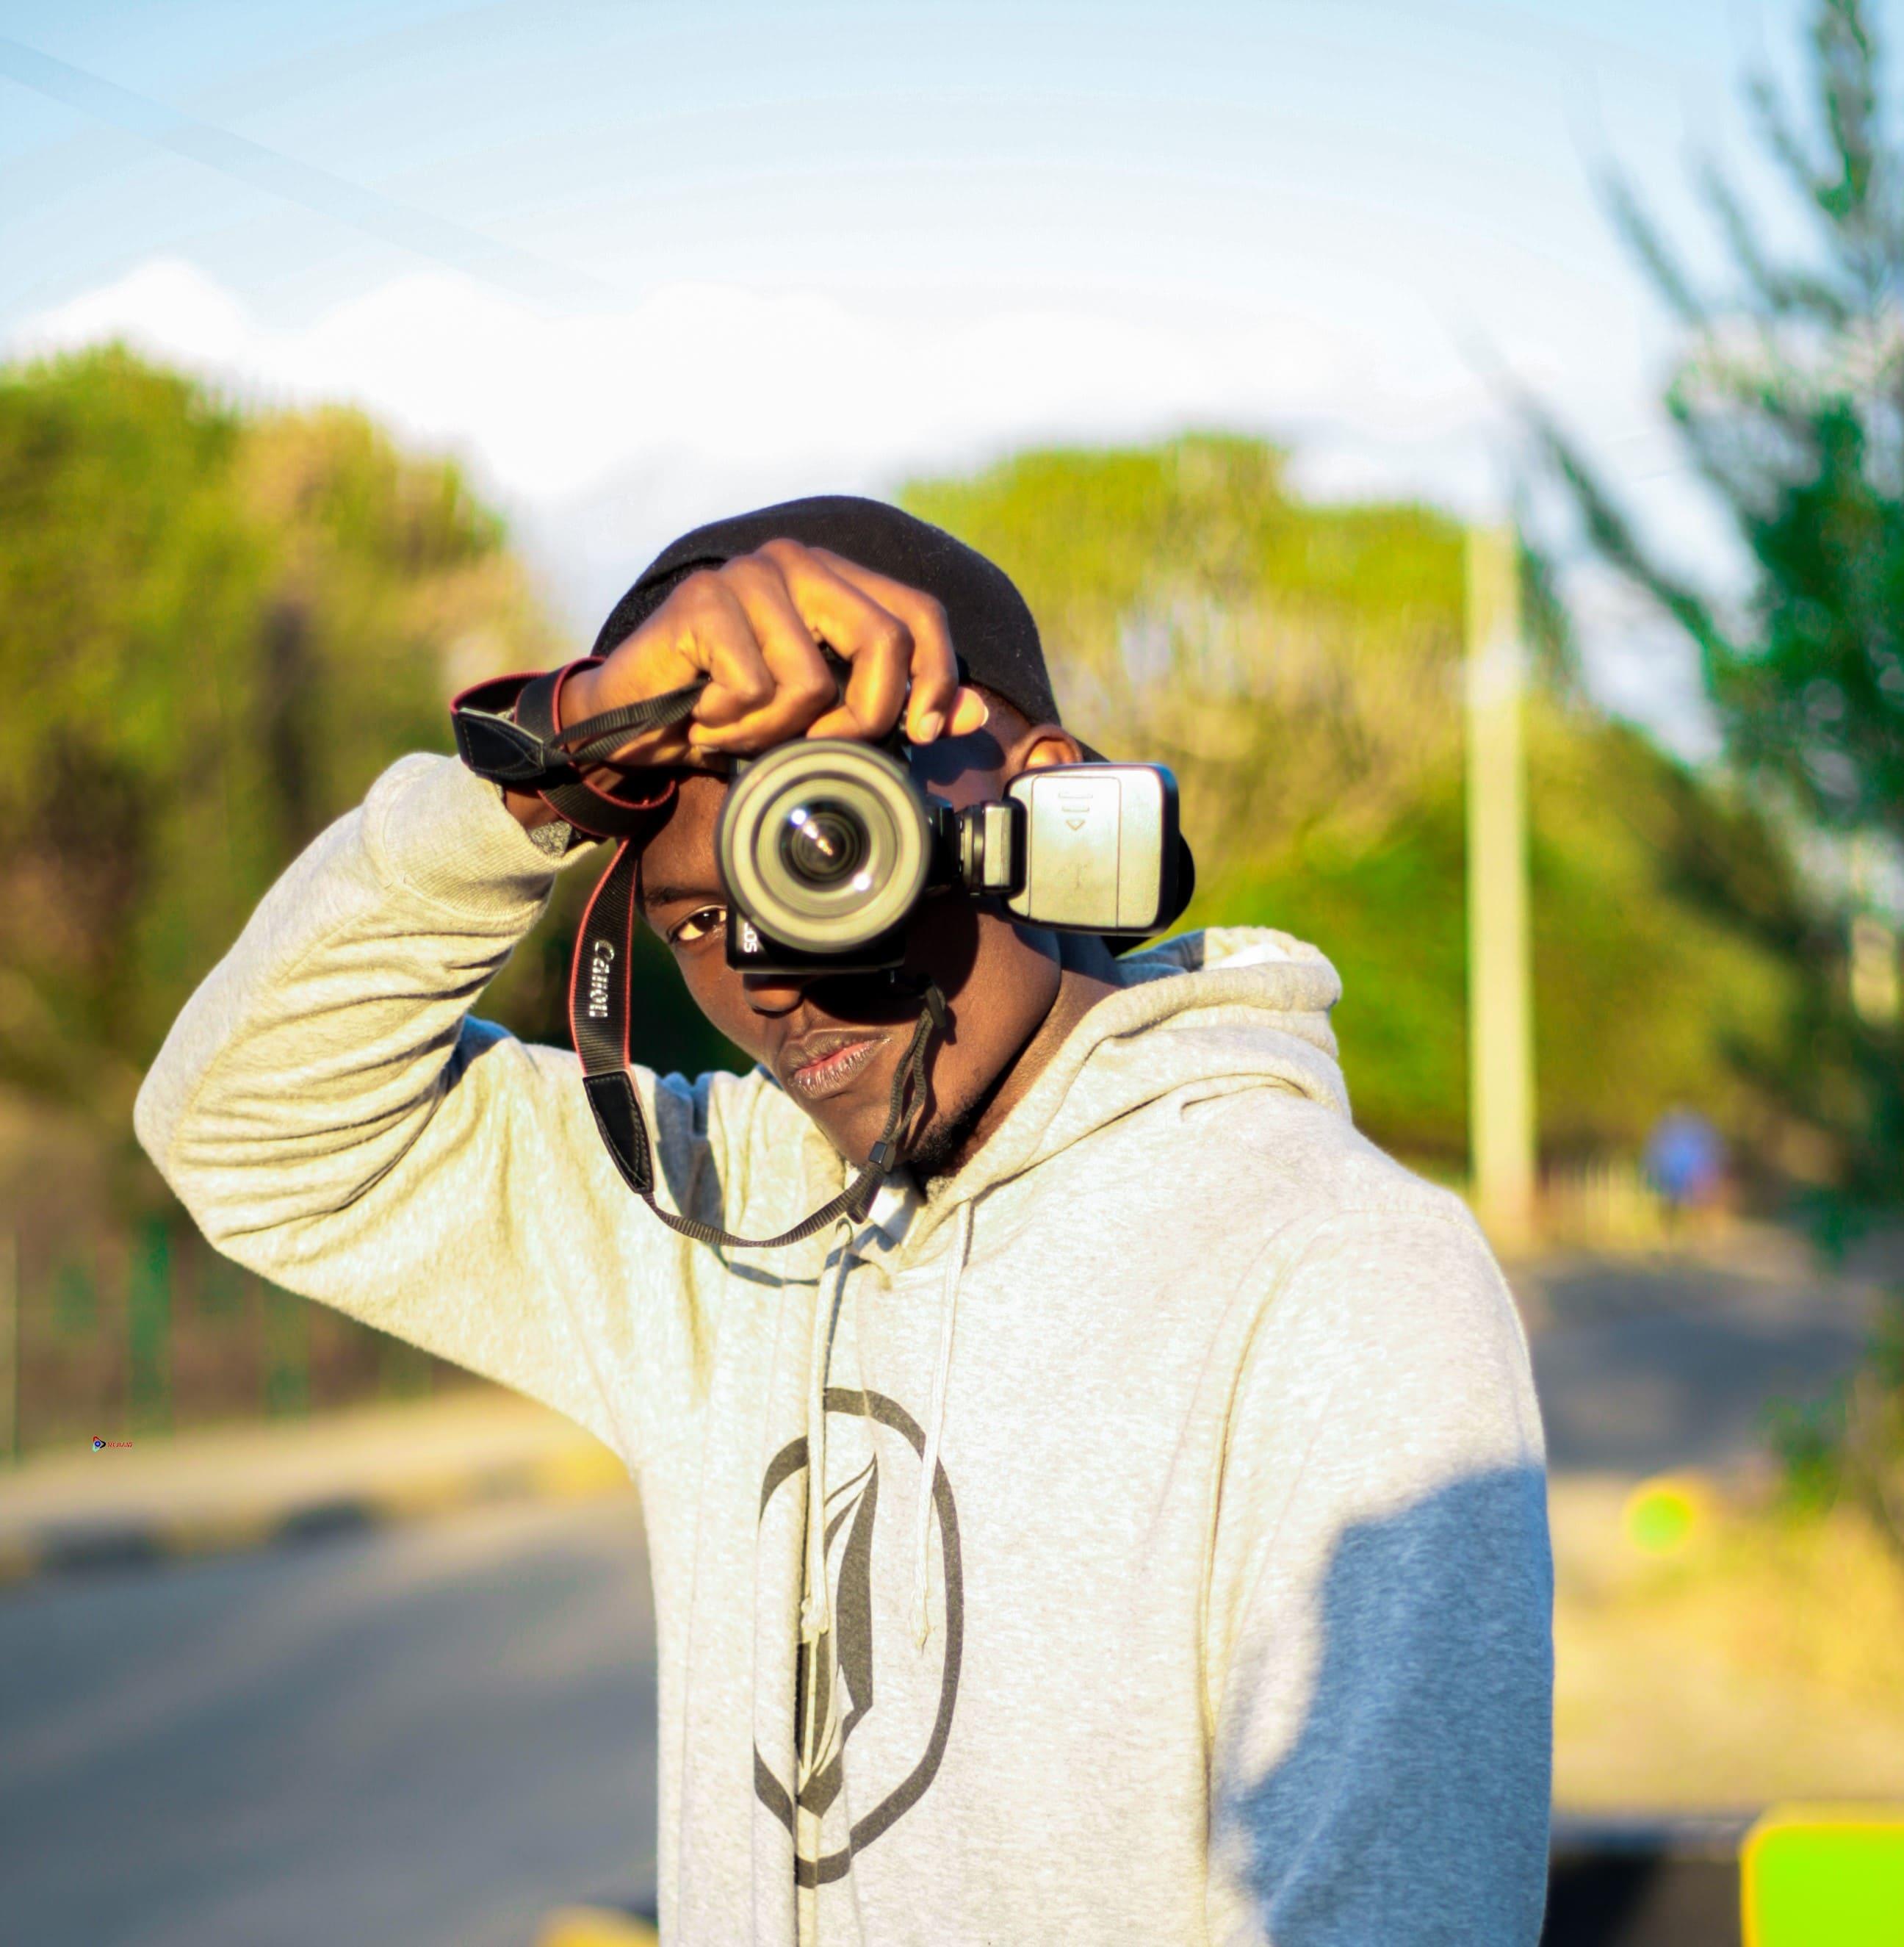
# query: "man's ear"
[[1042, 745]]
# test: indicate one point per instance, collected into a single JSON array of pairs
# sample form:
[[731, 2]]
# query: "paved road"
[[1645, 1366], [424, 1737]]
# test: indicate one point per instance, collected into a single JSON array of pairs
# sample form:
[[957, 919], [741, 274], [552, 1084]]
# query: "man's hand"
[[753, 627]]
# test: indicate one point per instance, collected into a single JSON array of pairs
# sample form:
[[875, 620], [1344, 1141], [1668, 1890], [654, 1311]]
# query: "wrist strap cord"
[[527, 751]]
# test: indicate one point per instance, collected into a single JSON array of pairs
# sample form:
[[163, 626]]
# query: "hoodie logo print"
[[835, 1671], [835, 1685]]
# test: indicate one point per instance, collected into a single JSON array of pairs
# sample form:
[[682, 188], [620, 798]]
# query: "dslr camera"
[[827, 846]]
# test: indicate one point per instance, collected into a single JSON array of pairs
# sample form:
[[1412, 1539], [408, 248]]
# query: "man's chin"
[[851, 1125], [854, 1128], [855, 1118]]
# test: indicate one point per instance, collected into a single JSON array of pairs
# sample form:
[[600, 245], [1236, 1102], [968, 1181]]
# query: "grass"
[[1723, 1653]]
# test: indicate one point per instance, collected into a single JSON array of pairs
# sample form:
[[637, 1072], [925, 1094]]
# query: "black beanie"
[[992, 632]]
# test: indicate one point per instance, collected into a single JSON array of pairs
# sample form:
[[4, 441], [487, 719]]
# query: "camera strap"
[[525, 748], [506, 730], [601, 1008]]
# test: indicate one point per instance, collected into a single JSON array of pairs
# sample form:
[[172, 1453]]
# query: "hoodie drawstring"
[[816, 1604], [955, 1258]]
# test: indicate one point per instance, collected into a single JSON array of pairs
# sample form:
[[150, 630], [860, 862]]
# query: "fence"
[[126, 1332], [1609, 1203], [144, 1331]]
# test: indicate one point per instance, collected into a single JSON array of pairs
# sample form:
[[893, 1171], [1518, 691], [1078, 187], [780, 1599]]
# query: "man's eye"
[[699, 923]]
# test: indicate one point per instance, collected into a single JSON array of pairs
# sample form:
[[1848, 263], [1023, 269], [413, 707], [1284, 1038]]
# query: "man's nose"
[[773, 993]]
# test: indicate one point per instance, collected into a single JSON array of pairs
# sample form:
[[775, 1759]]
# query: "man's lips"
[[823, 1064]]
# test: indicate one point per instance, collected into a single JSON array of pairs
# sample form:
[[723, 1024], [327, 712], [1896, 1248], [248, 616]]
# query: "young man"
[[1134, 1529]]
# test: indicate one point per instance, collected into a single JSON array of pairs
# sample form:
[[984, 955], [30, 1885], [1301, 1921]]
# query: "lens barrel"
[[824, 844]]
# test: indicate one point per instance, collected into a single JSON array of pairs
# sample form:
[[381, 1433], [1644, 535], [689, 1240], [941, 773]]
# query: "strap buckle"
[[500, 749]]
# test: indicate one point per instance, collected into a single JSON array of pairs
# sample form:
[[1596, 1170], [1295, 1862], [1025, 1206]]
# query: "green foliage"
[[218, 625], [1298, 666], [1789, 400], [1390, 918], [1658, 984], [215, 628], [1849, 1445]]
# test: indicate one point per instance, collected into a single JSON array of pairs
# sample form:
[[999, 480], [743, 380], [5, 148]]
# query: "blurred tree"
[[216, 628], [1788, 399], [1298, 669], [218, 624], [1298, 666]]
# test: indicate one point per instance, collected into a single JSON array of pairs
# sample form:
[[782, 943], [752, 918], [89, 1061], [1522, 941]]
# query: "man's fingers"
[[755, 627], [935, 669], [802, 686], [715, 634], [969, 713], [876, 644]]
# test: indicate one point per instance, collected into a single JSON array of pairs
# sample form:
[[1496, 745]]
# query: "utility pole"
[[9, 1347], [1500, 1005]]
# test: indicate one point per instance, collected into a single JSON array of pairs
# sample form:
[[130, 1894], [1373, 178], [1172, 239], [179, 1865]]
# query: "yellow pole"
[[1501, 1008], [9, 1347]]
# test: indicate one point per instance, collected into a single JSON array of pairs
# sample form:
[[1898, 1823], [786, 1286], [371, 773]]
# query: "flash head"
[[827, 845]]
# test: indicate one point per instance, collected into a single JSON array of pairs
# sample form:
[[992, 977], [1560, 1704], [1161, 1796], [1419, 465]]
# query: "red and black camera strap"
[[525, 750], [600, 1011], [507, 730]]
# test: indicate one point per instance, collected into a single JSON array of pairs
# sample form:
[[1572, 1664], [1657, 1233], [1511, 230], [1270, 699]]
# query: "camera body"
[[827, 846]]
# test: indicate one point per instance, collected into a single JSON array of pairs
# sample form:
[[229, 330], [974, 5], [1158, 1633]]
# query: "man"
[[1136, 1529]]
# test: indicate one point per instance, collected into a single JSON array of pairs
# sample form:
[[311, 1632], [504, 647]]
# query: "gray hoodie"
[[1140, 1535]]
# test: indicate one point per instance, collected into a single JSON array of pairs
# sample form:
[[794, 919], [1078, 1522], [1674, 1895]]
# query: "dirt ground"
[[1757, 1657], [1763, 1661]]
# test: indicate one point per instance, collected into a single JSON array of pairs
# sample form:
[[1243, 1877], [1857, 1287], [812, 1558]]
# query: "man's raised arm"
[[328, 1113], [331, 1117]]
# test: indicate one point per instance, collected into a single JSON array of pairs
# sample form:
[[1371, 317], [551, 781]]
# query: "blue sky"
[[639, 263]]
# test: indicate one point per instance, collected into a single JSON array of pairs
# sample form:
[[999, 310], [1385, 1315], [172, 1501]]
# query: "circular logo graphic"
[[834, 1691], [99, 1446]]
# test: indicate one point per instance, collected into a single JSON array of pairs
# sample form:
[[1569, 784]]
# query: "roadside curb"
[[55, 1547]]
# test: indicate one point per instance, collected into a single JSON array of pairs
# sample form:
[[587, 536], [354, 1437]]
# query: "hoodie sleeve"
[[331, 1117], [1380, 1644]]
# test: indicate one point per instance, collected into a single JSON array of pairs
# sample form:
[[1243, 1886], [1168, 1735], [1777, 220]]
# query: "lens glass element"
[[824, 844]]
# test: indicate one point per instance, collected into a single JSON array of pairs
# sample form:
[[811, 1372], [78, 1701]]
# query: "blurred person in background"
[[1135, 1526], [1686, 1162]]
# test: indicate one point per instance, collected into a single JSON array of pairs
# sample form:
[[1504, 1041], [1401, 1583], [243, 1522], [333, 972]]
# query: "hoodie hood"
[[1214, 1011]]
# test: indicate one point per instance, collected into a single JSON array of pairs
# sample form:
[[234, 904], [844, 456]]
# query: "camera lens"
[[822, 844], [825, 843]]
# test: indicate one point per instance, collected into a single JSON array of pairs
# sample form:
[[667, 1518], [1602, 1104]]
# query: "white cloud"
[[741, 381], [605, 434]]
